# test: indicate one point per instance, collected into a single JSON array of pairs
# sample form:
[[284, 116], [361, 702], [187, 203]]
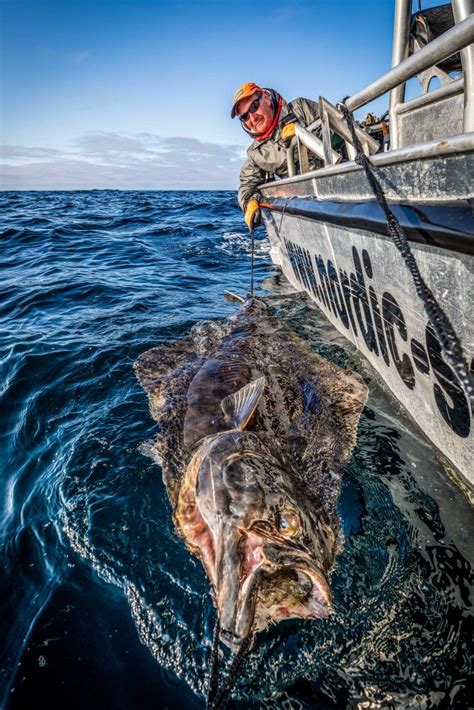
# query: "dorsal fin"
[[239, 407]]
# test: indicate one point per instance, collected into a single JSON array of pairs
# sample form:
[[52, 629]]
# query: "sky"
[[136, 94]]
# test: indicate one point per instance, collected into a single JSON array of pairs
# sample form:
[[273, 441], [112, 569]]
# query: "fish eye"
[[289, 523], [262, 526]]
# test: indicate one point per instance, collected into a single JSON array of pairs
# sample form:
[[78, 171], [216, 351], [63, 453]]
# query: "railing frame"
[[458, 38]]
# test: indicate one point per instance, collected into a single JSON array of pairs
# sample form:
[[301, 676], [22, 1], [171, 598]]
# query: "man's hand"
[[252, 214], [288, 131], [288, 128]]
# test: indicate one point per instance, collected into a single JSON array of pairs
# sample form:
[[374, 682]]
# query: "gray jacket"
[[268, 158]]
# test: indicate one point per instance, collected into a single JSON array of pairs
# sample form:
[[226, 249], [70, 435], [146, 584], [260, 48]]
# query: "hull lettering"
[[353, 301]]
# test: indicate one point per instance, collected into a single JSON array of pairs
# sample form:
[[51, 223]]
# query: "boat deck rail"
[[440, 113]]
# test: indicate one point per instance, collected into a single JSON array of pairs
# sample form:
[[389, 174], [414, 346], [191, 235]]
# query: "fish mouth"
[[273, 582]]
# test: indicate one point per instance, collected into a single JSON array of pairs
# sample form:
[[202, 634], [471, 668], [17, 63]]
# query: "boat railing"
[[446, 111]]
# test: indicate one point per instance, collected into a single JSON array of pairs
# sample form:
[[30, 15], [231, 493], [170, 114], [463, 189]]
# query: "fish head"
[[264, 539]]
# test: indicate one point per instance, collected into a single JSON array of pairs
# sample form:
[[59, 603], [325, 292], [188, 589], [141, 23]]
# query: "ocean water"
[[102, 606]]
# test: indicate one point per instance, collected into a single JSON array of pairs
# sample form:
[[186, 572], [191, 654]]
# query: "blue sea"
[[102, 606]]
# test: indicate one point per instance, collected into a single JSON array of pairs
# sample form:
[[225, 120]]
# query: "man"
[[270, 121]]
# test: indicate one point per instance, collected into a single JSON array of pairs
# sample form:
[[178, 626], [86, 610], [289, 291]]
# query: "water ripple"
[[89, 281]]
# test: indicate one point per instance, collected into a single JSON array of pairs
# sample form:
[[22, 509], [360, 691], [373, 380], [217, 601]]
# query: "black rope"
[[439, 321], [220, 699], [213, 674], [217, 697]]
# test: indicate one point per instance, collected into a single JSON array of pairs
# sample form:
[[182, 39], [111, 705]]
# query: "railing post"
[[401, 30], [326, 134], [303, 157], [290, 158], [461, 10], [314, 144]]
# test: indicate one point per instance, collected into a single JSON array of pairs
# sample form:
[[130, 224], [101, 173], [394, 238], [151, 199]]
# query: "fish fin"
[[239, 407], [165, 374], [155, 365], [340, 396], [214, 381], [230, 296]]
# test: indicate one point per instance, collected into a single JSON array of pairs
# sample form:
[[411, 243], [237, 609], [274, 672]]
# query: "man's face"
[[261, 120]]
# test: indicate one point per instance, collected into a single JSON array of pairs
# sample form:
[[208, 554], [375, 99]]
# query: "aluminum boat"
[[329, 234]]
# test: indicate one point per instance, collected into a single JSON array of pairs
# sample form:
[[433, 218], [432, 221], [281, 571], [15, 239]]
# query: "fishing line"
[[283, 213], [252, 260]]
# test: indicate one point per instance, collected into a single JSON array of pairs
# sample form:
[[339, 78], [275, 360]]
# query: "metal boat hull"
[[359, 280]]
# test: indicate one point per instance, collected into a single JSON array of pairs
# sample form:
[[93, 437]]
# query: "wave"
[[90, 281]]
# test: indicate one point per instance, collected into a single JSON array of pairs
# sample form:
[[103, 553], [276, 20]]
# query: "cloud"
[[103, 143], [17, 151], [112, 160]]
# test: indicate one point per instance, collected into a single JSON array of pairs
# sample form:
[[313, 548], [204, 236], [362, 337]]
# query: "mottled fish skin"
[[212, 383], [254, 431]]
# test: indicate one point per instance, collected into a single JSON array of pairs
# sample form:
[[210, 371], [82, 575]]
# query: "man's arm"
[[305, 110], [251, 176]]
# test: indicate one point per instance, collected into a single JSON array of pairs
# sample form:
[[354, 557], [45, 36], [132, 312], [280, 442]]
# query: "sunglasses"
[[251, 109]]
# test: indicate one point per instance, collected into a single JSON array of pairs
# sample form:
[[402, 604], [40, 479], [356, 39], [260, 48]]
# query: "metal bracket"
[[334, 120]]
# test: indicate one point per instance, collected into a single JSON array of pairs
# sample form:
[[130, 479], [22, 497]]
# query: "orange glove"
[[252, 214], [288, 131]]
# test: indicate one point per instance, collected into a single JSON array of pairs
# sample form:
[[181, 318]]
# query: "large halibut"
[[254, 431]]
